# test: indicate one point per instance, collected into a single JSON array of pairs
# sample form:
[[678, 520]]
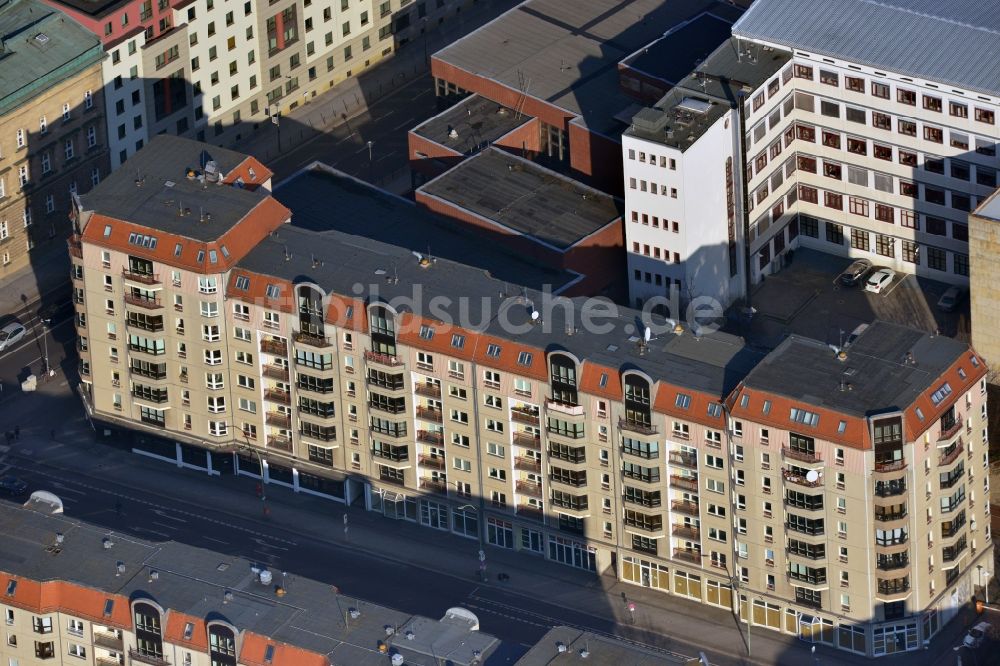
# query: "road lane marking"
[[163, 525], [405, 123], [208, 538], [163, 514], [146, 529]]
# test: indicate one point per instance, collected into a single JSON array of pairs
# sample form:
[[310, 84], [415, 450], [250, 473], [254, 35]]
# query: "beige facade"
[[984, 243]]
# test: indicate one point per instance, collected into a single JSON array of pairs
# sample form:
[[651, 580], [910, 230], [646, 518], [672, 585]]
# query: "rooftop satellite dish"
[[646, 333], [812, 476]]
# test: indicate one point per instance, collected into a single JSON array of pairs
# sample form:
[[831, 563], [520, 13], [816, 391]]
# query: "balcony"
[[530, 512], [684, 482], [428, 414], [529, 488], [800, 479], [683, 459], [434, 462], [383, 359], [688, 555], [950, 427], [891, 466], [428, 390], [429, 437], [526, 464], [137, 656], [278, 372], [560, 407], [141, 278], [890, 489], [274, 395], [278, 419], [524, 415], [689, 532], [893, 563], [684, 506], [274, 347], [388, 407], [635, 426], [313, 340], [75, 246], [951, 456], [108, 661], [801, 456], [280, 443], [528, 441], [887, 516], [433, 485], [147, 302], [893, 589], [106, 639]]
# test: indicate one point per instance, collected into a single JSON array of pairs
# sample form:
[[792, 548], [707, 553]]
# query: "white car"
[[10, 334], [880, 280], [975, 637]]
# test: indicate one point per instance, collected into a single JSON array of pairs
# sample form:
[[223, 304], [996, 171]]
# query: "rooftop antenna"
[[288, 254]]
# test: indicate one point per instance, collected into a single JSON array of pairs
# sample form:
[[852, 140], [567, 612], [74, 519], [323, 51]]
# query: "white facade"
[[125, 98]]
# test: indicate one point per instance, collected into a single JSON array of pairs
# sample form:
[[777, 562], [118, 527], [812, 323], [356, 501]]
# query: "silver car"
[[10, 334]]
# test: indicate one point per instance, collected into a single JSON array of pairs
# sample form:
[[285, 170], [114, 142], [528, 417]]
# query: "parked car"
[[855, 272], [880, 280], [12, 486], [951, 299], [10, 334], [975, 637], [855, 334]]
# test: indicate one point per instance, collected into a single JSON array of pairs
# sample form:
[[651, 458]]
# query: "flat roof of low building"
[[154, 189], [673, 56], [528, 199], [471, 125], [208, 585], [567, 53], [889, 366], [598, 650], [325, 200], [685, 113], [41, 46], [93, 7]]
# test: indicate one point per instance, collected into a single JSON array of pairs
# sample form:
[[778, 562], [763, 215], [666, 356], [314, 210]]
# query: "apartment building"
[[53, 142], [984, 243], [432, 392], [215, 71], [853, 149], [74, 594]]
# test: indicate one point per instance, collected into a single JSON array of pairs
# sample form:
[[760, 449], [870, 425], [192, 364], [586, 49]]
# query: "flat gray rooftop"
[[323, 200], [476, 121], [41, 46], [459, 294], [522, 196], [714, 86], [876, 369], [194, 581], [954, 42], [153, 187], [990, 208], [673, 56], [600, 650], [567, 53]]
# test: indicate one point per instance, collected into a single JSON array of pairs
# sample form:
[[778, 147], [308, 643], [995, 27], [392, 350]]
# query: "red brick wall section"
[[525, 141], [438, 158], [598, 158]]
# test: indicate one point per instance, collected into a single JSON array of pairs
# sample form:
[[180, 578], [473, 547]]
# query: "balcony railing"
[[886, 587], [683, 459], [428, 414], [689, 532], [684, 506], [801, 456], [687, 555], [529, 488], [886, 516], [532, 512], [800, 479], [891, 564], [109, 661], [948, 458], [684, 482], [148, 302], [428, 390], [433, 485], [273, 371], [141, 278], [75, 246], [278, 419], [528, 441], [313, 340], [568, 408], [529, 417], [891, 466], [889, 489], [526, 464], [274, 347], [108, 640], [274, 395], [434, 462], [429, 437], [152, 660], [635, 426], [949, 427], [383, 359], [281, 443]]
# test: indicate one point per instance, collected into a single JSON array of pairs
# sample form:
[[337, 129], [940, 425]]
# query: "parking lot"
[[807, 299]]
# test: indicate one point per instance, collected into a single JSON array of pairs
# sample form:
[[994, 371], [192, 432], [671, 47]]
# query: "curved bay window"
[[148, 632], [221, 645], [563, 379], [383, 330], [311, 312], [637, 402]]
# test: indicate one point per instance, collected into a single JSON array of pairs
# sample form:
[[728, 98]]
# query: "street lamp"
[[371, 165], [260, 462], [277, 126], [986, 590], [479, 537], [739, 608]]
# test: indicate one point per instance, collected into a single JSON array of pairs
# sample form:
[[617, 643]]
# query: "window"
[[880, 90]]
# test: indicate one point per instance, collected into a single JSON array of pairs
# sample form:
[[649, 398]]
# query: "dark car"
[[855, 272], [12, 486], [951, 299]]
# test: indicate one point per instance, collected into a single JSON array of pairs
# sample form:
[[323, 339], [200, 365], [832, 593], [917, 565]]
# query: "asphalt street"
[[27, 355]]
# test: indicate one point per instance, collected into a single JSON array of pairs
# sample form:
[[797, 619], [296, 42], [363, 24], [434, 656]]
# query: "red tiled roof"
[[174, 631], [254, 646]]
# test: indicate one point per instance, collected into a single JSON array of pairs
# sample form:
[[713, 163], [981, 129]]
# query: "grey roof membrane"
[[567, 53], [955, 42], [323, 200], [194, 581], [210, 209], [525, 197], [476, 122], [599, 650], [875, 377], [459, 294]]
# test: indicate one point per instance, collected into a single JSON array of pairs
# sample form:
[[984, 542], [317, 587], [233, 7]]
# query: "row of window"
[[664, 161], [652, 188], [647, 219]]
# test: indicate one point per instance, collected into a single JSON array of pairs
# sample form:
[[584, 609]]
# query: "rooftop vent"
[[41, 39], [650, 120], [212, 171], [695, 105]]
